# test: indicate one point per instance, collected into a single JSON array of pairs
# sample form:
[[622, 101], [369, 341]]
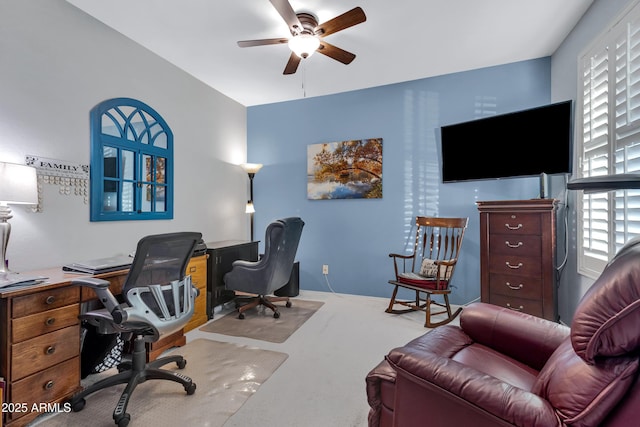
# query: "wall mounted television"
[[530, 142]]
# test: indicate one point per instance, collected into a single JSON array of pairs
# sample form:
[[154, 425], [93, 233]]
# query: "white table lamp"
[[18, 186]]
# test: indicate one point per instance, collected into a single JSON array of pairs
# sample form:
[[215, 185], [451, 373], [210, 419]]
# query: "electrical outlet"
[[325, 269]]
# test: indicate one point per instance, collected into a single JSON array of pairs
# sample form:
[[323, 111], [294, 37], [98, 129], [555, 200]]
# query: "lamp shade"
[[250, 208], [304, 45], [18, 184], [251, 167]]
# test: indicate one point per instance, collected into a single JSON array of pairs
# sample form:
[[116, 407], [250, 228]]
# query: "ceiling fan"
[[307, 36]]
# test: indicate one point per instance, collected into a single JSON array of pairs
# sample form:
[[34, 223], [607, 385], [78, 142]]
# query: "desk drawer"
[[116, 283], [42, 323], [45, 300], [515, 223], [44, 351], [49, 385]]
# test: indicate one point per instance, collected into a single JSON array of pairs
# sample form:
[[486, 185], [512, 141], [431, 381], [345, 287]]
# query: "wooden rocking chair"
[[428, 270]]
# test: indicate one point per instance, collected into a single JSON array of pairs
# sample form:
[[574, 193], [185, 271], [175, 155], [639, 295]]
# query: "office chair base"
[[246, 303], [132, 373]]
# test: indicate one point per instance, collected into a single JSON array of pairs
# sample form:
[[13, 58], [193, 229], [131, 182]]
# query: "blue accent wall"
[[354, 237]]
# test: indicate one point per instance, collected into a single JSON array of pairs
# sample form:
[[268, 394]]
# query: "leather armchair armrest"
[[441, 382], [525, 338]]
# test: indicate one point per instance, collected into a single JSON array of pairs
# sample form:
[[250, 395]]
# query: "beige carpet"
[[260, 324], [226, 375]]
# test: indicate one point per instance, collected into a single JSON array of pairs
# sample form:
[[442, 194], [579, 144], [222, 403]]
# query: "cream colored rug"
[[260, 324], [226, 375]]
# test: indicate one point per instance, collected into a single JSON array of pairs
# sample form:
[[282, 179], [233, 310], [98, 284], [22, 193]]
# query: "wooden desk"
[[40, 339]]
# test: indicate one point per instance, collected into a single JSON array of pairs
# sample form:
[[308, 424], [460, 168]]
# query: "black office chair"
[[271, 272], [159, 300]]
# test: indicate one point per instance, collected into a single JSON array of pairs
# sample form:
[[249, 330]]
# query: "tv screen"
[[524, 143]]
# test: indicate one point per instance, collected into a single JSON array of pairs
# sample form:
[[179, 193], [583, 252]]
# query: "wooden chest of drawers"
[[42, 347], [517, 255]]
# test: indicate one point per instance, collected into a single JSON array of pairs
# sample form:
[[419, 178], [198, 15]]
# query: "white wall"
[[56, 63]]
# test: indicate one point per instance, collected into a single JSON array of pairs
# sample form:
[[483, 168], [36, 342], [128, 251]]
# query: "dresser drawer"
[[45, 300], [515, 286], [523, 245], [514, 265], [514, 223], [533, 307], [49, 385], [44, 351], [116, 283], [31, 326]]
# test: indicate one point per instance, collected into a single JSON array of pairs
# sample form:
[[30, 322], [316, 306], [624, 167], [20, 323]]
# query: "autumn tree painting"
[[345, 170]]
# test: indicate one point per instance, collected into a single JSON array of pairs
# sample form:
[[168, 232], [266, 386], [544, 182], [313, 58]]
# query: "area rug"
[[226, 375], [260, 324]]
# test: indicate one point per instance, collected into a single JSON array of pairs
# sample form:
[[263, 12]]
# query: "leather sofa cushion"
[[584, 394], [497, 365], [606, 320]]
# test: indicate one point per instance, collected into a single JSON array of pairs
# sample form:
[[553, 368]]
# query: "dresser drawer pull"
[[515, 288], [50, 321], [514, 309], [517, 245], [510, 227], [192, 269], [48, 385], [50, 299], [50, 350], [515, 267]]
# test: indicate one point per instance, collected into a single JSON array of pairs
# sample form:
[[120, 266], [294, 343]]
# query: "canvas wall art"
[[345, 170]]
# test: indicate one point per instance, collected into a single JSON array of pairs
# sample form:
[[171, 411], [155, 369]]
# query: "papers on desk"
[[19, 280], [100, 265]]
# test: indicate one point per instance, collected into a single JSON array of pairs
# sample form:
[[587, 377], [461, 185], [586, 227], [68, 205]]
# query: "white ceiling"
[[401, 40]]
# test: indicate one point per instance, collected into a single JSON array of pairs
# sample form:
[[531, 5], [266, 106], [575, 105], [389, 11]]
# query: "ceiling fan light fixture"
[[304, 45]]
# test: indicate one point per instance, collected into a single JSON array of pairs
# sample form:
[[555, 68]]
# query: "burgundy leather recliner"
[[505, 368]]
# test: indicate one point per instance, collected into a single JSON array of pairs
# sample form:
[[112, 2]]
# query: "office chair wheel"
[[276, 314], [78, 406], [288, 304], [241, 316], [181, 364], [190, 389], [124, 421]]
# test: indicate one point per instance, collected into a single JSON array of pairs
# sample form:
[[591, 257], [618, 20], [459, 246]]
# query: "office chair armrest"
[[101, 288]]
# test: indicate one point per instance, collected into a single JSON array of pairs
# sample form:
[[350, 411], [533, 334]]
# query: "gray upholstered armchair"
[[271, 272]]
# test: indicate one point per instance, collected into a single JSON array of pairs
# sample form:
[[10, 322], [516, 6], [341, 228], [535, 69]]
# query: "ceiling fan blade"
[[336, 53], [263, 42], [292, 64], [288, 14], [348, 19]]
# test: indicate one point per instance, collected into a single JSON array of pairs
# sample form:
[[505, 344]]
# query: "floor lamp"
[[251, 169], [18, 186]]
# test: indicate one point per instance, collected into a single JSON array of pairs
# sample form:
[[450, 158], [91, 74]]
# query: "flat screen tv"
[[524, 143]]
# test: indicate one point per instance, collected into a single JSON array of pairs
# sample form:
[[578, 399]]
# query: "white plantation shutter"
[[610, 141]]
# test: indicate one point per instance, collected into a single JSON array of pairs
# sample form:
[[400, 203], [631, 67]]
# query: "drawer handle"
[[515, 288], [514, 309], [510, 227], [50, 321], [48, 385], [515, 267], [50, 350], [517, 245], [192, 269], [50, 299]]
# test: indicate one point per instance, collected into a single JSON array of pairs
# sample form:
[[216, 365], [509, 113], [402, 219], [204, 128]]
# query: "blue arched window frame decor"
[[131, 162]]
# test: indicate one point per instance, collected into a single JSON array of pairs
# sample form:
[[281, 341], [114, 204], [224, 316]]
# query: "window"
[[609, 138], [131, 162]]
